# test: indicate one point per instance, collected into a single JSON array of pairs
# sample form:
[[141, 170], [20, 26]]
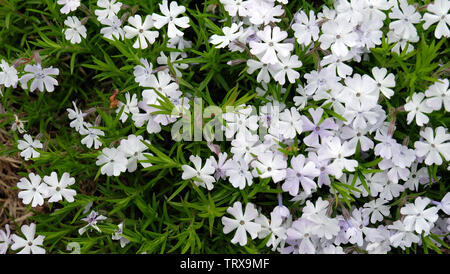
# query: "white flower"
[[306, 29], [130, 107], [242, 223], [118, 236], [162, 83], [270, 164], [8, 75], [339, 35], [361, 89], [111, 8], [40, 78], [377, 209], [244, 146], [434, 146], [286, 67], [417, 217], [170, 18], [5, 239], [58, 189], [77, 116], [143, 73], [33, 190], [404, 236], [113, 160], [164, 60], [337, 64], [263, 74], [92, 220], [332, 148], [275, 226], [444, 205], [114, 28], [28, 146], [75, 31], [235, 7], [438, 94], [230, 34], [407, 16], [141, 29], [133, 147], [401, 43], [69, 5], [202, 176], [271, 45], [92, 136], [18, 125], [303, 230], [438, 12], [238, 174], [240, 121], [416, 107], [289, 125], [384, 82], [29, 244], [325, 227]]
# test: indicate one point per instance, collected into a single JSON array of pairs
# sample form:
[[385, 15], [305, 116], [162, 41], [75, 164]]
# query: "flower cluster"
[[347, 152]]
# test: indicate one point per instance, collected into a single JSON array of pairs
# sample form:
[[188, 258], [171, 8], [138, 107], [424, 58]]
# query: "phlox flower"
[[333, 149], [434, 146], [202, 175], [29, 244], [8, 75], [5, 239], [41, 77], [75, 31], [141, 30], [69, 5], [28, 147], [110, 9], [416, 107], [271, 45], [57, 189], [243, 223], [33, 190], [169, 17], [418, 218], [113, 161], [230, 34], [438, 12], [92, 219]]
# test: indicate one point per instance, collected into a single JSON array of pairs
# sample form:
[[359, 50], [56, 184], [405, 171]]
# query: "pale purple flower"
[[302, 172], [317, 128], [41, 77], [92, 221]]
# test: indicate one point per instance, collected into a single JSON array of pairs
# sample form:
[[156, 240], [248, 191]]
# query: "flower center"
[[269, 169], [30, 243], [271, 44], [141, 30], [242, 223], [58, 188], [40, 75]]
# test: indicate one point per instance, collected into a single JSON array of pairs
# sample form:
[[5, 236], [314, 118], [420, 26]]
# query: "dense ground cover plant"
[[231, 126]]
